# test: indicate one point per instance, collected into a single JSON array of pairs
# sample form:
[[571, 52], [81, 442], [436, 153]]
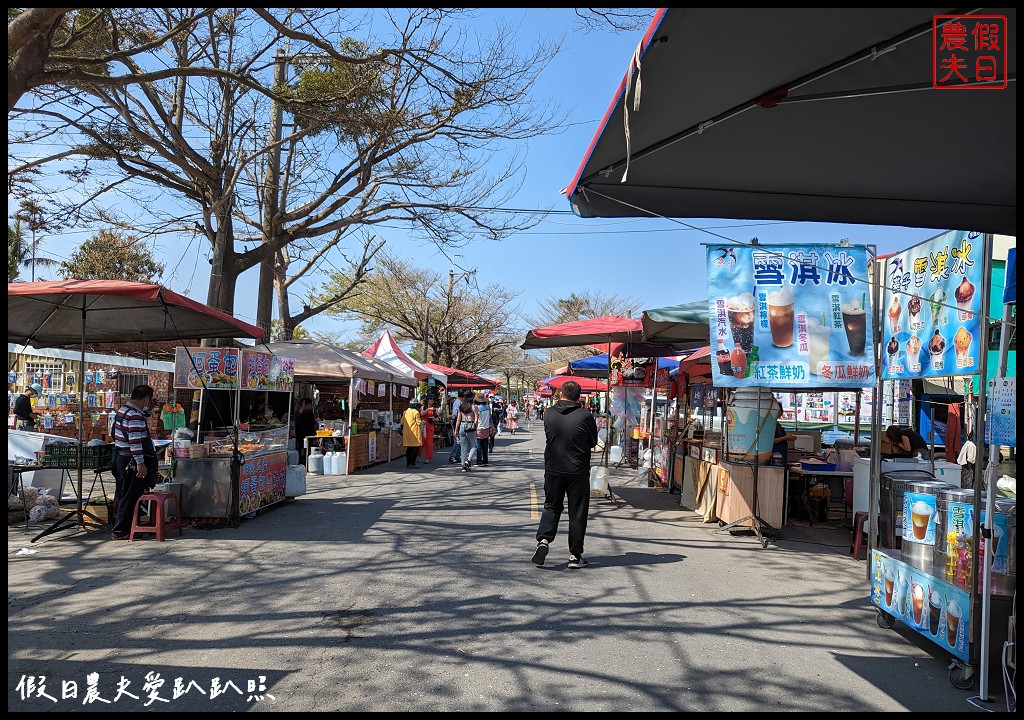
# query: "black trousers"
[[482, 447], [558, 487], [410, 455], [129, 487]]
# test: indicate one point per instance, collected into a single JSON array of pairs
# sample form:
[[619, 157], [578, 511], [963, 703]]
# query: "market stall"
[[782, 316], [942, 563], [76, 312], [238, 425], [667, 165], [386, 351], [352, 399]]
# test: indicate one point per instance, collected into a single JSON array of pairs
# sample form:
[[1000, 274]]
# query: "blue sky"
[[658, 262]]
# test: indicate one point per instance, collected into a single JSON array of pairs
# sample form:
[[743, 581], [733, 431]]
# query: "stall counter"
[[735, 484], [207, 490]]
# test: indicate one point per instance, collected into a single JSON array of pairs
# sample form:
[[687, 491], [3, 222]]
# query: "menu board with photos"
[[209, 368], [790, 316], [931, 308]]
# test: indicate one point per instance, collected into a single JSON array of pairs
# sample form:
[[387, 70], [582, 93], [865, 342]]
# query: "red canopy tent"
[[74, 312], [56, 314], [586, 384], [607, 329], [463, 379]]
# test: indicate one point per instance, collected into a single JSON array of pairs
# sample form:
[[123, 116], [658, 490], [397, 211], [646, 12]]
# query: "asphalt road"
[[397, 589]]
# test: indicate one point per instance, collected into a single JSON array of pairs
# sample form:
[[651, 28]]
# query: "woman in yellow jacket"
[[412, 435]]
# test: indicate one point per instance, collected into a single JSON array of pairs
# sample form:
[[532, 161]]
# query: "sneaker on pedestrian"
[[577, 562], [466, 467], [541, 552]]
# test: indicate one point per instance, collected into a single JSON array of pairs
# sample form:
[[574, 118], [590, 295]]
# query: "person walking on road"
[[512, 418], [429, 418], [455, 456], [412, 437], [570, 433], [465, 430], [483, 429]]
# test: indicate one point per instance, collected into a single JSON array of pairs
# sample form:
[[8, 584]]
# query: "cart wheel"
[[961, 676], [885, 620]]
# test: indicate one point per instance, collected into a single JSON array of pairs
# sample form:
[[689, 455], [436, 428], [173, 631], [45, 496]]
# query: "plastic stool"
[[859, 534], [159, 515]]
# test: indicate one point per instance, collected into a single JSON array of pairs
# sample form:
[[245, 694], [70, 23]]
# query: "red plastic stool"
[[859, 534], [159, 515]]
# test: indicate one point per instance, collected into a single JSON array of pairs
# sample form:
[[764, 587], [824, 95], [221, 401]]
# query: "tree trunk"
[[265, 299], [224, 270], [280, 270]]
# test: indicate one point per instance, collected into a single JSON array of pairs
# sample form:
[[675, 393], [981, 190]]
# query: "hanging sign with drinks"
[[931, 306], [790, 316], [937, 610]]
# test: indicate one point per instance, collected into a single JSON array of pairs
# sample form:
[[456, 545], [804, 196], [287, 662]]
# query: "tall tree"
[[112, 255], [467, 327], [383, 132], [25, 251]]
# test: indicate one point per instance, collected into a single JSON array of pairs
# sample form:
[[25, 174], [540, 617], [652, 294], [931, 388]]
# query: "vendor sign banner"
[[264, 371], [937, 610], [790, 316], [637, 372], [212, 368], [261, 481], [932, 308]]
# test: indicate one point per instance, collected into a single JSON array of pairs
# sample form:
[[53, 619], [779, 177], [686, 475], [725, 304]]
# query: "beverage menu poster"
[[790, 316], [936, 609], [931, 308], [1001, 428]]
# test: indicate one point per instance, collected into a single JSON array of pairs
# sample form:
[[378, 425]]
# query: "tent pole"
[[391, 409], [983, 470], [606, 452], [79, 513], [348, 441]]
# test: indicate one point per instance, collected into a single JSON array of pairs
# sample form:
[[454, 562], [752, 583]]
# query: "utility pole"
[[426, 336]]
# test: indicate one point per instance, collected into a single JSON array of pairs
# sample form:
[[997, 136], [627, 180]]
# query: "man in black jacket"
[[570, 432]]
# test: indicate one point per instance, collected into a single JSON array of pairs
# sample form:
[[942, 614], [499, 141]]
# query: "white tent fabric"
[[319, 361], [387, 350]]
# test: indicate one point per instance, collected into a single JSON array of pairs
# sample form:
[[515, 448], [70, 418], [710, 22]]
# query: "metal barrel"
[[954, 512], [920, 499]]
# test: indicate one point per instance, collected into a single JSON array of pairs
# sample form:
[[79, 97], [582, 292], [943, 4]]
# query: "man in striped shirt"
[[135, 461]]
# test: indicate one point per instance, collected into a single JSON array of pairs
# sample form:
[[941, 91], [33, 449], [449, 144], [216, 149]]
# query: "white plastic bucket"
[[615, 453], [751, 418], [599, 479]]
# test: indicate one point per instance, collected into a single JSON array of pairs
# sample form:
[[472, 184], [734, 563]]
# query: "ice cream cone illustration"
[[914, 307], [961, 345], [937, 303], [914, 354], [964, 295], [894, 314], [892, 349], [937, 349]]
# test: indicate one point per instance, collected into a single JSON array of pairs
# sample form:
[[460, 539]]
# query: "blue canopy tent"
[[596, 366]]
